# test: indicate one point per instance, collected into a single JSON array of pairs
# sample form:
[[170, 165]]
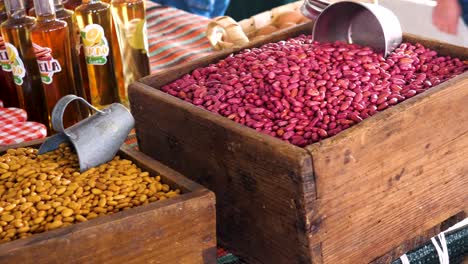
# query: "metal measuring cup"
[[97, 138], [364, 24]]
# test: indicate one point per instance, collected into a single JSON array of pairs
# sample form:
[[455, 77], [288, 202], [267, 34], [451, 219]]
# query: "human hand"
[[445, 16]]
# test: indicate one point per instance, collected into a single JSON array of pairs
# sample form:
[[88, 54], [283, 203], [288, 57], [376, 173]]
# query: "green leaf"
[[18, 80]]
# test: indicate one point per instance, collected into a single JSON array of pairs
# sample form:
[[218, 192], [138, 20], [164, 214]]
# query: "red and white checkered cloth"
[[21, 132], [12, 116]]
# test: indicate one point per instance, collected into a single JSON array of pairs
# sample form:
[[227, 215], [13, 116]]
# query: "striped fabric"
[[174, 36]]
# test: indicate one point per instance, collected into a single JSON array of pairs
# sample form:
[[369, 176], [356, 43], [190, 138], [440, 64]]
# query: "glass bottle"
[[119, 72], [78, 58], [79, 63], [17, 35], [130, 21], [95, 23], [51, 41], [8, 92]]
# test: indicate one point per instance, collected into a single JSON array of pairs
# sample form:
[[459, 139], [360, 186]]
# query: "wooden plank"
[[260, 181], [394, 175], [180, 229]]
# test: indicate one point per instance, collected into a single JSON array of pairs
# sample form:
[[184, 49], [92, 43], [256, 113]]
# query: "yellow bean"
[[44, 207], [7, 217], [67, 212], [96, 191], [79, 191], [4, 166], [55, 224], [114, 188], [29, 172], [112, 203], [122, 205], [14, 167], [99, 210], [80, 218], [61, 190], [6, 175], [38, 220], [9, 207], [68, 219], [73, 186], [143, 198], [18, 214], [102, 202], [171, 194], [18, 223], [34, 198], [25, 206], [144, 174], [119, 197], [92, 215]]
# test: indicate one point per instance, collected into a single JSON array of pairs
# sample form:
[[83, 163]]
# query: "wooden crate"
[[375, 188], [177, 230]]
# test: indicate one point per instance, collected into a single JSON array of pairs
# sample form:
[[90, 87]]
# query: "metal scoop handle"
[[61, 106]]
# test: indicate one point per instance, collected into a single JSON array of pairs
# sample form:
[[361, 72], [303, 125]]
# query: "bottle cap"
[[14, 5], [44, 7]]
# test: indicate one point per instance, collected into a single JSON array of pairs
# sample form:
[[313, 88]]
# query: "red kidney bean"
[[382, 106], [410, 93], [288, 135], [358, 107], [349, 93], [304, 91], [345, 105], [392, 101], [355, 117]]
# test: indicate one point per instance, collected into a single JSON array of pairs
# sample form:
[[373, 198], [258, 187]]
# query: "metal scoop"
[[97, 138], [364, 24]]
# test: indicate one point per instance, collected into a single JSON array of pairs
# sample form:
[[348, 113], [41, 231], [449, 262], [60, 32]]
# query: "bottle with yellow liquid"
[[51, 41], [95, 23], [8, 92], [130, 21], [119, 74], [17, 36]]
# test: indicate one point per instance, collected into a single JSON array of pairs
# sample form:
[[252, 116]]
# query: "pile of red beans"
[[303, 91]]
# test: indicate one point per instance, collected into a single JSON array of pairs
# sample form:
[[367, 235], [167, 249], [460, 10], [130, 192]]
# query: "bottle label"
[[16, 64], [96, 47], [48, 66], [4, 61]]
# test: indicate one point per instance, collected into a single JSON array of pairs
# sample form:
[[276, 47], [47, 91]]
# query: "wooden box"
[[177, 230], [376, 188]]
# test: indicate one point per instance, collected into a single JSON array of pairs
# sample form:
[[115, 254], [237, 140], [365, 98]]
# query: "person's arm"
[[445, 16]]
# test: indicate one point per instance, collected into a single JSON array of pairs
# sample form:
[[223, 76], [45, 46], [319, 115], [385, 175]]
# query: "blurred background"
[[419, 17]]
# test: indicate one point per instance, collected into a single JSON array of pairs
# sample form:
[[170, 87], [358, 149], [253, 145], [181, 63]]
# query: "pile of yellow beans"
[[45, 192]]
